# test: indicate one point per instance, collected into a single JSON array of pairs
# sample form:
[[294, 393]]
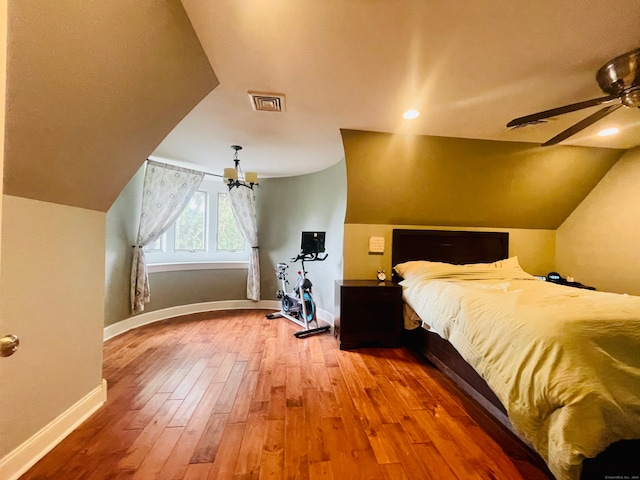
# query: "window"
[[229, 235], [205, 231]]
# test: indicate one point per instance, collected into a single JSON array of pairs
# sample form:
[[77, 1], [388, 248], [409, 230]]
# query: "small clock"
[[554, 277], [381, 276]]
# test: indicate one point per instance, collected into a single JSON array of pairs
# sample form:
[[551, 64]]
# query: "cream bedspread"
[[565, 362]]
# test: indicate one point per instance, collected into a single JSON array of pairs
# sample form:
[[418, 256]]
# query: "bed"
[[544, 419]]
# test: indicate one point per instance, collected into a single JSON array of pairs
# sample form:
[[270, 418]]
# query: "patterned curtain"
[[243, 204], [167, 191]]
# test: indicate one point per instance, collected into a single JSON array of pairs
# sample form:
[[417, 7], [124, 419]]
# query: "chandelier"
[[234, 177]]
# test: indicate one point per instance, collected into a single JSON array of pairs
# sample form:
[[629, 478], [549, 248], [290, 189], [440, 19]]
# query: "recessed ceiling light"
[[608, 131], [411, 114]]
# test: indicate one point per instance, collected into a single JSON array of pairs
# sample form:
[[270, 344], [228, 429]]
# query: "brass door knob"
[[8, 345]]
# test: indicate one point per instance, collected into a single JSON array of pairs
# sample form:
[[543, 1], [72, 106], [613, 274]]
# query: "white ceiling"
[[468, 67]]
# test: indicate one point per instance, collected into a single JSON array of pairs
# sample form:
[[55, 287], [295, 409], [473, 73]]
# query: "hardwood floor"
[[232, 395]]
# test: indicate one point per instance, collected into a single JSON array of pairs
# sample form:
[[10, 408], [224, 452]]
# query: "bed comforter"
[[565, 362]]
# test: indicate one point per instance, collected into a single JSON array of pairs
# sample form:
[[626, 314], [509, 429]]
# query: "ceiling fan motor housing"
[[631, 98], [621, 77]]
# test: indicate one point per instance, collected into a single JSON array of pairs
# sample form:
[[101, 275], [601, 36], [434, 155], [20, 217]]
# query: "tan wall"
[[52, 297], [425, 180], [599, 244], [535, 249]]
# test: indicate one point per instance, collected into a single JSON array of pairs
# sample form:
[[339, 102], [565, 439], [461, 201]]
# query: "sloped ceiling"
[[92, 88], [426, 180], [469, 67]]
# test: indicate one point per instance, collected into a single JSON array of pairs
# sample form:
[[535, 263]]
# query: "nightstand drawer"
[[368, 312]]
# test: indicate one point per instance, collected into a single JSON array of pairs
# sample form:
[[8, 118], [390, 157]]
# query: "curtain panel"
[[167, 191], [243, 205]]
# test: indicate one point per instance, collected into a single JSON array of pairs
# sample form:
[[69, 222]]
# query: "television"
[[312, 242]]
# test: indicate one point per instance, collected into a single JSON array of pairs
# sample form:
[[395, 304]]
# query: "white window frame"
[[169, 259]]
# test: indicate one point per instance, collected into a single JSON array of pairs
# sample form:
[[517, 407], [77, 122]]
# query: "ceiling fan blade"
[[582, 124], [537, 117]]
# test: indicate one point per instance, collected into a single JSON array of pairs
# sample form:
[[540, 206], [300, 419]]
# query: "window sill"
[[177, 267]]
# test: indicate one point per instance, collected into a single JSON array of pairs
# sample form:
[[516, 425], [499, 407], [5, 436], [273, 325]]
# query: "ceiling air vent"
[[267, 102]]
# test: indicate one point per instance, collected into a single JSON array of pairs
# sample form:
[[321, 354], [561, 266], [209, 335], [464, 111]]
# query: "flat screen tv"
[[312, 242]]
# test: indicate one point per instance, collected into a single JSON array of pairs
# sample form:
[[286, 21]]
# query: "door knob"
[[8, 345]]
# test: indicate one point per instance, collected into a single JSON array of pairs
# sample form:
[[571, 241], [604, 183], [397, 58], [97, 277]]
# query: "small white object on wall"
[[376, 244]]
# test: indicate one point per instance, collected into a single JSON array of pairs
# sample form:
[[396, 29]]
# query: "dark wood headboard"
[[450, 246]]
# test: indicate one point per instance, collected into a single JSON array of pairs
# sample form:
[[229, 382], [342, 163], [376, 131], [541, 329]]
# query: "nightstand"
[[368, 312]]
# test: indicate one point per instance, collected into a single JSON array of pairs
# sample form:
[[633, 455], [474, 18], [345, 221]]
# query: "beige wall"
[[426, 180], [52, 297], [599, 244], [535, 249]]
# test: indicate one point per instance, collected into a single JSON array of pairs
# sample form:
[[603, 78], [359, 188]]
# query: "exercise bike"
[[298, 304]]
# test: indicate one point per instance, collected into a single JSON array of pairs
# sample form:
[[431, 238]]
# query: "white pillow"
[[502, 269]]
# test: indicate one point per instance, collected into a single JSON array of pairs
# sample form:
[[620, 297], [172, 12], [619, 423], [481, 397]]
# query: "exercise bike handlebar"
[[310, 257]]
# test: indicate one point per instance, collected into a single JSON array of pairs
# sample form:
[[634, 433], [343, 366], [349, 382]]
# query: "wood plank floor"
[[232, 395]]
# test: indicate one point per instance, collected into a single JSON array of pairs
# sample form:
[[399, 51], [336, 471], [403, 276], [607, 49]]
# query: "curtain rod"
[[181, 165]]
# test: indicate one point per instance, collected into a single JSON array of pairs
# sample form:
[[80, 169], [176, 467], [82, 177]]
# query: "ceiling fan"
[[618, 78]]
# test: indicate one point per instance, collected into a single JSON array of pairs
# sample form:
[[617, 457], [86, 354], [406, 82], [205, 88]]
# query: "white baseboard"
[[17, 462], [157, 315]]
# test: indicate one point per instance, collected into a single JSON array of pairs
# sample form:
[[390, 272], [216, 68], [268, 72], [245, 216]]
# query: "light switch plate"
[[376, 244]]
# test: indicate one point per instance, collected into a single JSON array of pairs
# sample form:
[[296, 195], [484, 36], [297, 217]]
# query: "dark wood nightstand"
[[368, 312]]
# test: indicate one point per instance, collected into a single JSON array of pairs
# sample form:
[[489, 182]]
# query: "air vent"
[[267, 102]]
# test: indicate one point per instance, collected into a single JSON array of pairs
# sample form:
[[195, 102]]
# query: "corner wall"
[[598, 244]]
